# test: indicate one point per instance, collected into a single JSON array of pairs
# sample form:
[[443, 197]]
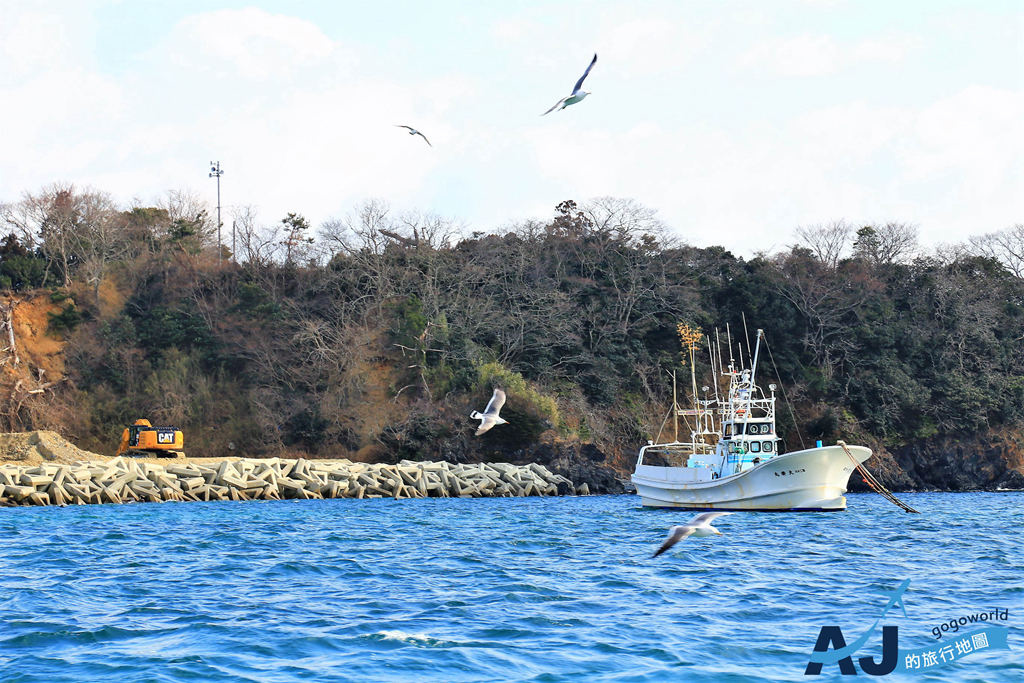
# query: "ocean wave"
[[463, 590]]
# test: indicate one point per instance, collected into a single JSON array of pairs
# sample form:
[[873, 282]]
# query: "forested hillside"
[[375, 335]]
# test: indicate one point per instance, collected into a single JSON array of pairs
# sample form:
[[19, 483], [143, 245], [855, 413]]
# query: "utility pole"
[[216, 172]]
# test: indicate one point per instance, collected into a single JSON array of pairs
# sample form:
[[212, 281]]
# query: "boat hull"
[[812, 479]]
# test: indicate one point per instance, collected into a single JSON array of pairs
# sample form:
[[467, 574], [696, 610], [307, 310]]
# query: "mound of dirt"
[[34, 448]]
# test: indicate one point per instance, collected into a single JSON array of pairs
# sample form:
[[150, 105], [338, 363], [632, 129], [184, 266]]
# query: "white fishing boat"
[[734, 458]]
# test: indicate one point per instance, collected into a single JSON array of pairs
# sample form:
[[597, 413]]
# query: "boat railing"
[[762, 408], [675, 454]]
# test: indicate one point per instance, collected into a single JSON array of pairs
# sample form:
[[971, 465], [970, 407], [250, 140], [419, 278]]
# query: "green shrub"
[[65, 322], [22, 272], [496, 375], [528, 411]]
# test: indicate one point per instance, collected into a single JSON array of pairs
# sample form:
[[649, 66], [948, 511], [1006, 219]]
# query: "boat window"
[[755, 446], [766, 446], [732, 447]]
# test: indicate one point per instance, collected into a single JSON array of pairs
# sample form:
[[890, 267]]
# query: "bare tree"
[[74, 229], [258, 245], [359, 232], [625, 218], [362, 238], [825, 298], [54, 213], [428, 230], [886, 244], [23, 219], [100, 238], [189, 217], [184, 204], [827, 241], [1006, 246]]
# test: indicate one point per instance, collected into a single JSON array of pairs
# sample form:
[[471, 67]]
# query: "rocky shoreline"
[[124, 480], [985, 461]]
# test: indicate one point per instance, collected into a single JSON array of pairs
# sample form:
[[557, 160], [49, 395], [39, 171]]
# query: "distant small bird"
[[489, 417], [413, 131], [698, 526], [576, 95]]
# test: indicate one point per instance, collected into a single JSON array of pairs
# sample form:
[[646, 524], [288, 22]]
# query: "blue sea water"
[[491, 589]]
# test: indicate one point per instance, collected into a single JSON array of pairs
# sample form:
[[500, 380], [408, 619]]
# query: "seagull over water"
[[577, 95], [698, 526], [489, 417], [413, 131]]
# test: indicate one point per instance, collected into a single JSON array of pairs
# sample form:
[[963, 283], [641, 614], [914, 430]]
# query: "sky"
[[737, 121]]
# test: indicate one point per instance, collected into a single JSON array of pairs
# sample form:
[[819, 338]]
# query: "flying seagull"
[[413, 131], [489, 417], [576, 95], [698, 526]]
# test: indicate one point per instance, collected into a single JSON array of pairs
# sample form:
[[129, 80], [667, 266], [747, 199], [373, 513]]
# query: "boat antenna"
[[712, 353], [728, 342], [675, 410], [757, 352], [718, 345], [746, 333]]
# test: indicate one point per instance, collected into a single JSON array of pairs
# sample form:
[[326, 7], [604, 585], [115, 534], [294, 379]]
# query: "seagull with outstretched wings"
[[697, 527], [489, 417], [577, 94], [413, 131]]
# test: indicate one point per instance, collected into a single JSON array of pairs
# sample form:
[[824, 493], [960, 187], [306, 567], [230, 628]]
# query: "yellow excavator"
[[142, 439]]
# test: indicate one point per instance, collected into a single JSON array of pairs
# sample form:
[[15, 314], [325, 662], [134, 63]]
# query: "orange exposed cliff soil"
[[31, 369], [35, 349]]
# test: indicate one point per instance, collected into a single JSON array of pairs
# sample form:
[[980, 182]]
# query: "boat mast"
[[714, 362], [753, 371], [693, 376], [728, 342], [757, 350], [746, 334], [675, 411]]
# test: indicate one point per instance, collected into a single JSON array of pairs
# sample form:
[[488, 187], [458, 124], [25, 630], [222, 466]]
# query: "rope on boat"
[[870, 480]]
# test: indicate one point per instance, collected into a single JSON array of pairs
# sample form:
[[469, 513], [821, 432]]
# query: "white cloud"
[[820, 55], [950, 166], [56, 106], [33, 41], [798, 56], [250, 43]]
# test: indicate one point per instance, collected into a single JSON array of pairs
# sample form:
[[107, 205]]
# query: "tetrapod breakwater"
[[124, 480]]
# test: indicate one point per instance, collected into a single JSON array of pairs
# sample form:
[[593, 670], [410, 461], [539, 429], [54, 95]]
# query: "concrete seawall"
[[124, 480]]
